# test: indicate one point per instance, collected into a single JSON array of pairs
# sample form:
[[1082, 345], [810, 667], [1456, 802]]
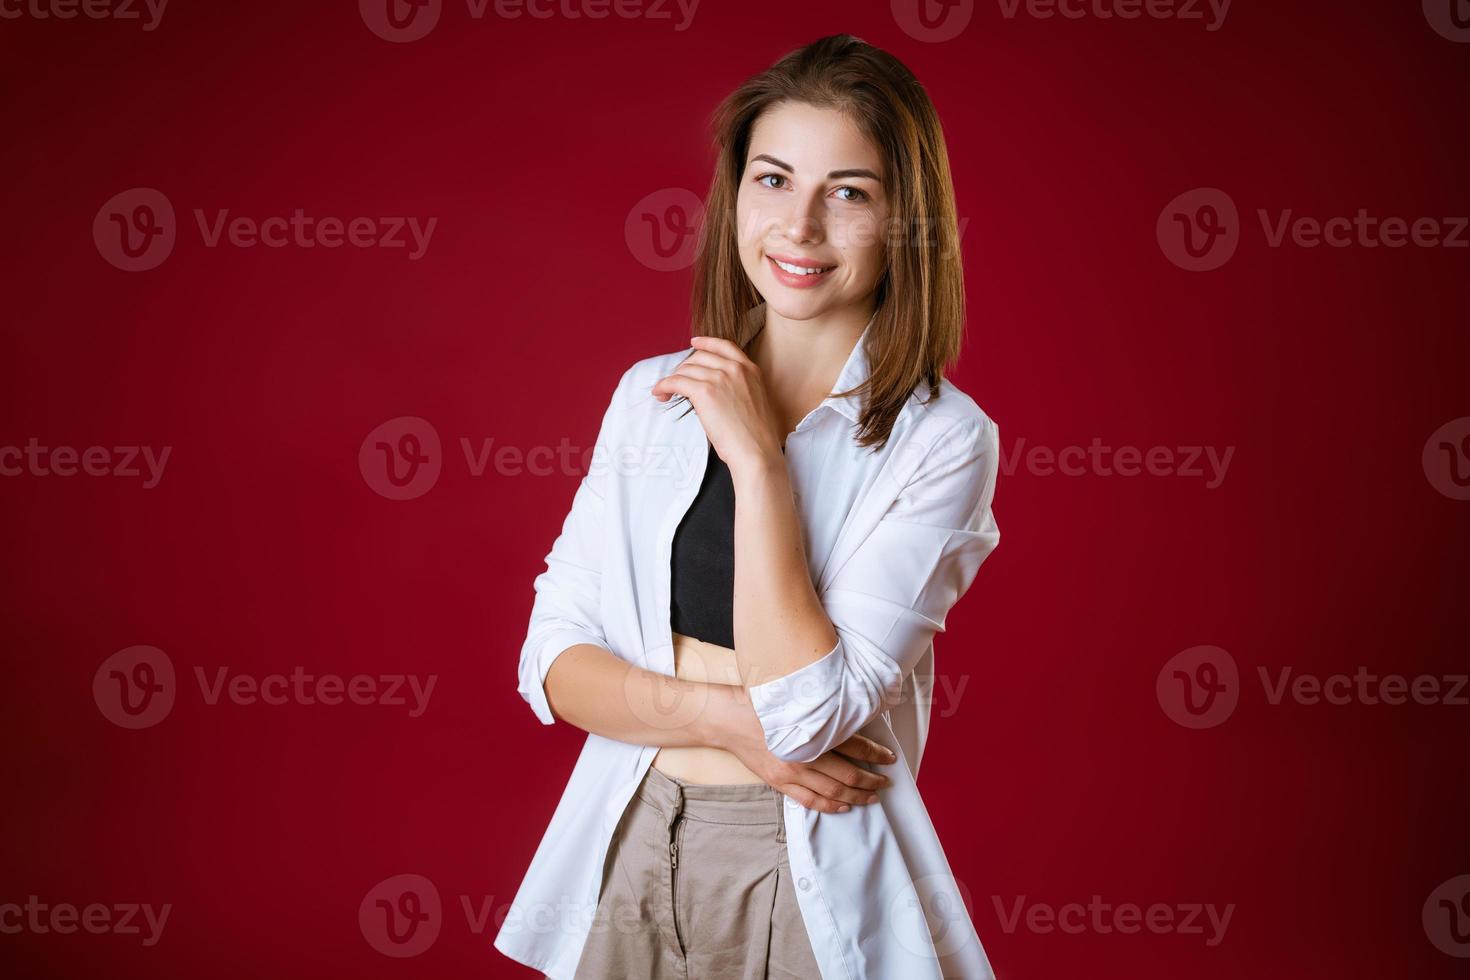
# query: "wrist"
[[715, 727], [760, 472]]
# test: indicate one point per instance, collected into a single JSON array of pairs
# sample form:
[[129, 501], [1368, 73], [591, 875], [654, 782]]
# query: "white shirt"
[[893, 539]]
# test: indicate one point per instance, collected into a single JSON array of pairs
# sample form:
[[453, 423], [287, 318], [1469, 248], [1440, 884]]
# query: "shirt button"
[[803, 884]]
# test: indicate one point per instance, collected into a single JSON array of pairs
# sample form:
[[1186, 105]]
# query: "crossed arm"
[[815, 670]]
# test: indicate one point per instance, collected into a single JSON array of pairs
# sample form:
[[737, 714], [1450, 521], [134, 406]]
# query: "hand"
[[832, 782], [730, 398]]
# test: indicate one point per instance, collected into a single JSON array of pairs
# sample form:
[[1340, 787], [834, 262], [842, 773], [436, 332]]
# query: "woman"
[[751, 652]]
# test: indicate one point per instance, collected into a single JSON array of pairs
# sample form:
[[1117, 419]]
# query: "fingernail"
[[843, 808], [872, 797]]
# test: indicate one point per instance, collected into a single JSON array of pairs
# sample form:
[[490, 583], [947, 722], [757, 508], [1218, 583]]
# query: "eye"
[[857, 196], [765, 177]]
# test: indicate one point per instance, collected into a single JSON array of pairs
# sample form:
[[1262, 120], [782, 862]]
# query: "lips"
[[798, 272]]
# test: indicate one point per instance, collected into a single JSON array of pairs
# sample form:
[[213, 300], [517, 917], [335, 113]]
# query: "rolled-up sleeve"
[[891, 597], [568, 606]]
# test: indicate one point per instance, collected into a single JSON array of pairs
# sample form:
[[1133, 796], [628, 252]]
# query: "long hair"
[[919, 323]]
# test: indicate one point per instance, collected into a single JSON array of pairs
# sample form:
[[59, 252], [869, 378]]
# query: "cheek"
[[862, 242], [753, 221]]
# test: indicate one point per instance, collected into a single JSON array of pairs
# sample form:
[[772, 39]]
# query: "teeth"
[[797, 270]]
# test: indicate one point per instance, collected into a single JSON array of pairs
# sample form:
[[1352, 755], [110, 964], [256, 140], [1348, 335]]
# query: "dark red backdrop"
[[1056, 771]]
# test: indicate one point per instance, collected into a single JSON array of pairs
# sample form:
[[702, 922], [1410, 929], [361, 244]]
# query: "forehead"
[[812, 139]]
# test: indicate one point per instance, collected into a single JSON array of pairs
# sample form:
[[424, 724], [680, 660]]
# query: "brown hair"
[[921, 295]]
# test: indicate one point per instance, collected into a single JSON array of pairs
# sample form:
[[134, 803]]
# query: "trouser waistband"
[[728, 803]]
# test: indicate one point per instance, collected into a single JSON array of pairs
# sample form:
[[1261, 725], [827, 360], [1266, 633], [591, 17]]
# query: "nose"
[[803, 224]]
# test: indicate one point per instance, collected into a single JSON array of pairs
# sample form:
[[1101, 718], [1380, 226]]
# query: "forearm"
[[780, 625], [599, 692]]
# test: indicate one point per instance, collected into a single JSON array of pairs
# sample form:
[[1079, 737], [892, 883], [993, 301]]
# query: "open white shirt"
[[893, 538]]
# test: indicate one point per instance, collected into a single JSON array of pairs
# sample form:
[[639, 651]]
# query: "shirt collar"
[[854, 372]]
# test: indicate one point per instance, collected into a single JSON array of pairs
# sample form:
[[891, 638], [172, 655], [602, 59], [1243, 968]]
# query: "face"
[[810, 211]]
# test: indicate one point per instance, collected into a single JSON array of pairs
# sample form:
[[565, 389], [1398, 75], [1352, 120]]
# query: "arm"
[[566, 669], [883, 607], [599, 692]]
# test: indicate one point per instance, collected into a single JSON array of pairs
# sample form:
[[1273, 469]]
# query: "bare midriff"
[[696, 660]]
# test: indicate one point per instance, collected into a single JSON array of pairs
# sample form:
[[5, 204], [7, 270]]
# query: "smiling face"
[[810, 211]]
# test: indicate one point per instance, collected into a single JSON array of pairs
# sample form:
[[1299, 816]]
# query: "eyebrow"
[[854, 172]]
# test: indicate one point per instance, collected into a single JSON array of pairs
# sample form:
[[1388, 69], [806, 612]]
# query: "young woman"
[[751, 651]]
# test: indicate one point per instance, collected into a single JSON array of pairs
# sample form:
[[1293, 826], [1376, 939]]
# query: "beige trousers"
[[697, 887]]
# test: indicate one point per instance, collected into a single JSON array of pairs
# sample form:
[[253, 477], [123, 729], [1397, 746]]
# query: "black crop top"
[[702, 600]]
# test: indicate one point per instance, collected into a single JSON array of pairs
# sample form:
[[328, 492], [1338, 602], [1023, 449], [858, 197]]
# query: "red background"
[[1058, 778]]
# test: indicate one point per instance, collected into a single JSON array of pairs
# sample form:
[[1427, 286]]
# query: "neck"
[[797, 356]]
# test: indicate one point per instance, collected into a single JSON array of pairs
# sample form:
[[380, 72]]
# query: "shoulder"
[[633, 388], [644, 372], [950, 417]]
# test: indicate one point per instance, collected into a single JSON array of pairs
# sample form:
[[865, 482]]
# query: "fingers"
[[833, 793], [712, 360], [864, 748], [703, 372], [718, 345], [811, 800], [859, 779]]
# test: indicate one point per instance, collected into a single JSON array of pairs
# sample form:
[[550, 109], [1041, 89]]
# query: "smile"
[[801, 273]]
